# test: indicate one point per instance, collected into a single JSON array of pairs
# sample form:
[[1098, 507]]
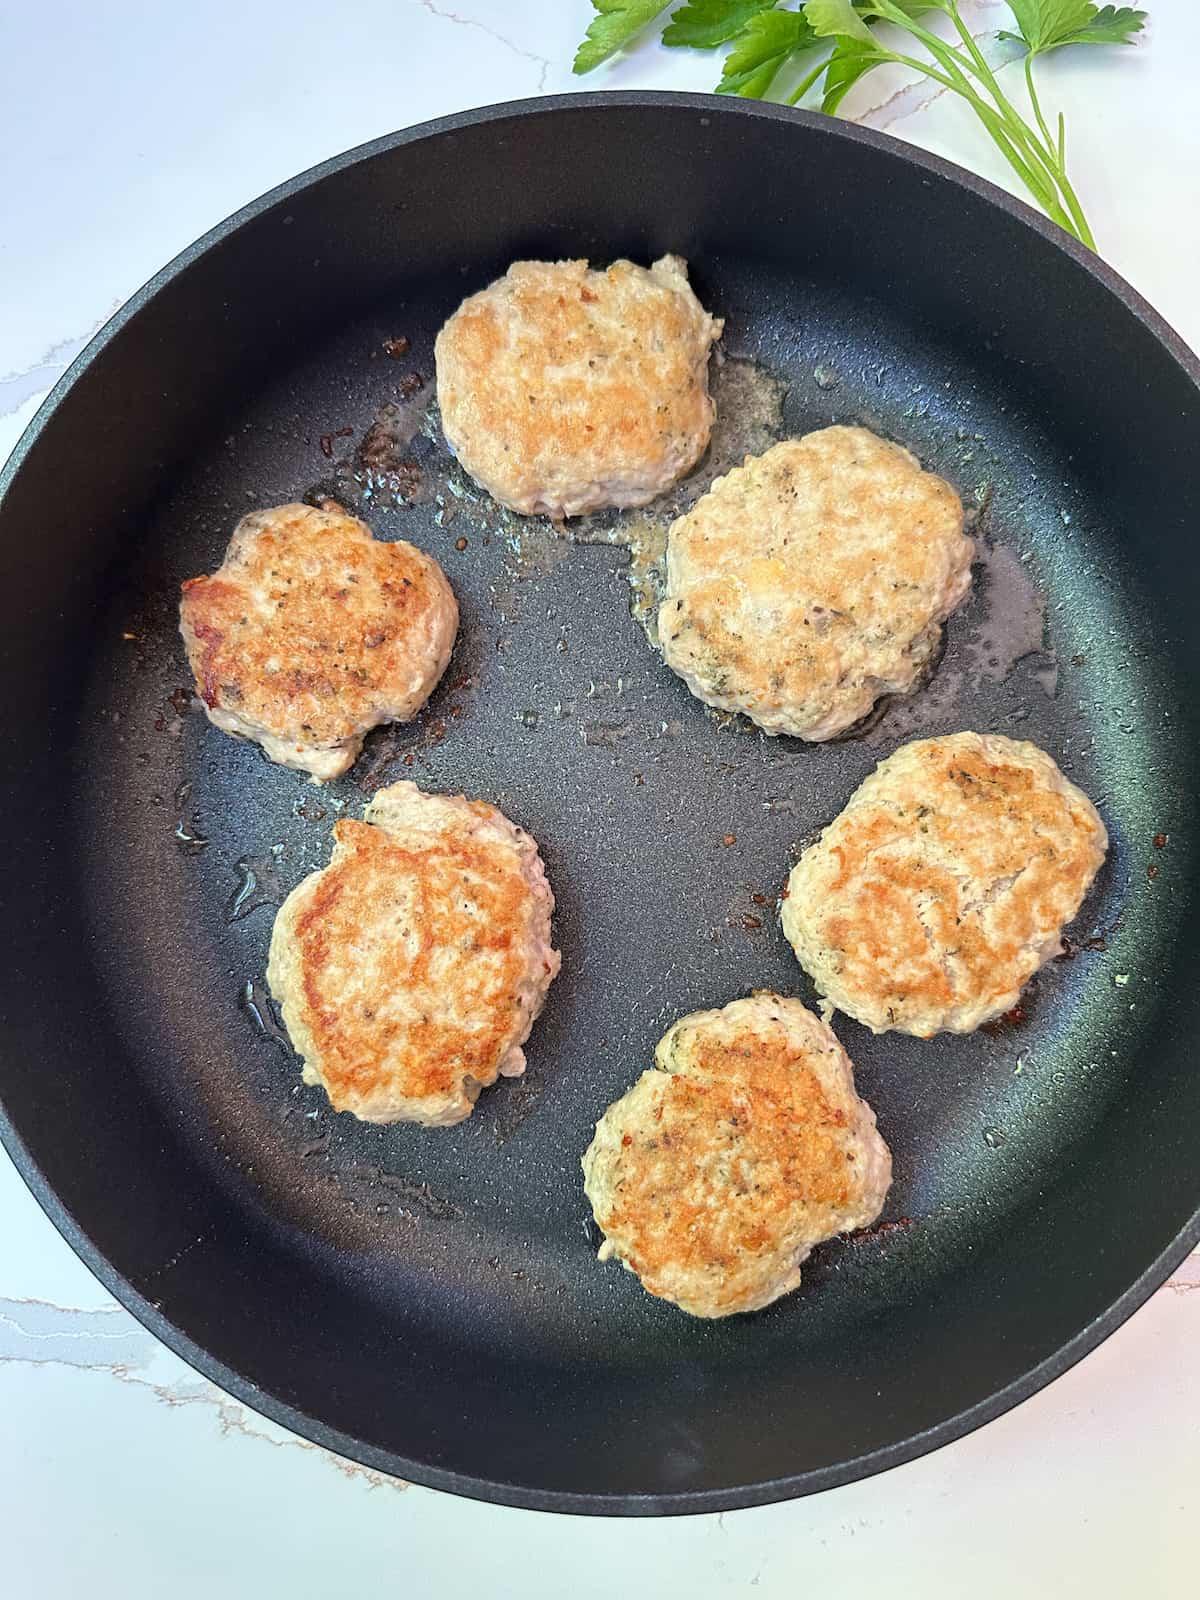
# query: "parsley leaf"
[[704, 24], [848, 63], [1048, 24], [612, 28], [766, 43], [836, 19], [855, 54], [842, 36]]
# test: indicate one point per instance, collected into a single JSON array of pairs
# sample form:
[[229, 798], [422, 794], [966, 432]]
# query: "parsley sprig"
[[838, 41]]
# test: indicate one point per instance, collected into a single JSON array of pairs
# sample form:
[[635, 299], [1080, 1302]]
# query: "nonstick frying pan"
[[429, 1302]]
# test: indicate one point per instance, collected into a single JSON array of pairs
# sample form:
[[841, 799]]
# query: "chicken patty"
[[745, 1146], [812, 580], [411, 969], [563, 389], [311, 632], [944, 885]]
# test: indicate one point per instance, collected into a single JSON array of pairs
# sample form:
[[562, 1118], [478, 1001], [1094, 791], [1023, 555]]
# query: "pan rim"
[[515, 1494], [816, 122]]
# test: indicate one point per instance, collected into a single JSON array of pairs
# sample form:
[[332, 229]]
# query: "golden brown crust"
[[411, 968], [373, 872], [312, 631], [944, 884], [564, 389], [714, 1176]]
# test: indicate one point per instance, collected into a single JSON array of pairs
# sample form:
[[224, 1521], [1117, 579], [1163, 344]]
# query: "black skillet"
[[429, 1302]]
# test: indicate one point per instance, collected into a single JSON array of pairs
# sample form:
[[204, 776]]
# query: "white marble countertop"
[[129, 128]]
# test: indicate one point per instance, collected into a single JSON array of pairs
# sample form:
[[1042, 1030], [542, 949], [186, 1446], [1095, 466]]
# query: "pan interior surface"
[[429, 1301]]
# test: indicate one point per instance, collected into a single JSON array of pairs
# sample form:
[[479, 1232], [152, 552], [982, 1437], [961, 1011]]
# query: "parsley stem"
[[1020, 127], [1052, 187], [1031, 176], [1016, 140], [988, 78], [1001, 118], [1033, 100], [797, 95], [1081, 229], [1059, 157], [1010, 113]]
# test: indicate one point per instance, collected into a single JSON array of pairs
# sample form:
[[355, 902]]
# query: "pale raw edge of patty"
[[231, 632], [322, 765], [928, 904], [694, 1238], [812, 581], [465, 837], [564, 389]]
